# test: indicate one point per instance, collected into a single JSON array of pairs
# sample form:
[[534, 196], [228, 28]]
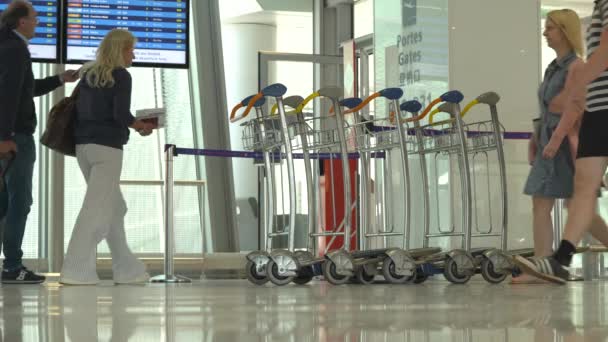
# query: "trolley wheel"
[[420, 277], [272, 269], [388, 271], [304, 276], [253, 276], [363, 277], [450, 272], [489, 274], [332, 276]]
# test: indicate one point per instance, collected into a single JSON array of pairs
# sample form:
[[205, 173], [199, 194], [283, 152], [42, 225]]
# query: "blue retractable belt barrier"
[[327, 155], [260, 155]]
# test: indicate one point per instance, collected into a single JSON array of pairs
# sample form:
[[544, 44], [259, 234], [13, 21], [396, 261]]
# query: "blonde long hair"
[[570, 24], [110, 55]]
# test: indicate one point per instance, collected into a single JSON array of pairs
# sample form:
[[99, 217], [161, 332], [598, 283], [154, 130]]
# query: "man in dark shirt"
[[17, 125]]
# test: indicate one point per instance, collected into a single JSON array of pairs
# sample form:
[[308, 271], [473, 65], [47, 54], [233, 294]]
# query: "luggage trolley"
[[445, 138], [319, 136], [378, 139], [262, 134], [485, 137], [313, 136], [269, 134], [323, 135]]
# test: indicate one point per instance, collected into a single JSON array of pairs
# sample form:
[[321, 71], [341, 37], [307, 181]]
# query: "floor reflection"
[[237, 311]]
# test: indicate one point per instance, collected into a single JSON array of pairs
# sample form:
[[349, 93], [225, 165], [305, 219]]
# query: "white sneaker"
[[142, 279], [67, 281]]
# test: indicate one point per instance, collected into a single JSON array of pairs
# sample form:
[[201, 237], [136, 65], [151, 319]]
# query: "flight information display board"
[[44, 46], [161, 29]]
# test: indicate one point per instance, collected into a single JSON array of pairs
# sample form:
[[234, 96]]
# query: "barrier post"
[[558, 222], [169, 277]]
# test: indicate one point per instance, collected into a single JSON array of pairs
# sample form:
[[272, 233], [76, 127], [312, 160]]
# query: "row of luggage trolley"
[[344, 133]]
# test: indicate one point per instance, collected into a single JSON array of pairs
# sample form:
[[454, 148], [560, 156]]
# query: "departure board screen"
[[44, 46], [161, 29]]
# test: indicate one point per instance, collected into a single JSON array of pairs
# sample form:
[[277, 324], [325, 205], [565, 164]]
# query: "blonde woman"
[[553, 178], [101, 129]]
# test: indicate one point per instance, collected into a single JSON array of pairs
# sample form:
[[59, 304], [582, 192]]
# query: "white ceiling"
[[250, 11], [296, 19], [237, 8]]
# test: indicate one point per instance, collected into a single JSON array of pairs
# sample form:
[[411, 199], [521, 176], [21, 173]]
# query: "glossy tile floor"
[[237, 311]]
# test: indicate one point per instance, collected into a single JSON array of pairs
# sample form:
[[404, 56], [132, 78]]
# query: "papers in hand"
[[155, 116]]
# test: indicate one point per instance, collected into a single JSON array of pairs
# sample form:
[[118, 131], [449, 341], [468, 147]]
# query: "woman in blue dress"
[[552, 179]]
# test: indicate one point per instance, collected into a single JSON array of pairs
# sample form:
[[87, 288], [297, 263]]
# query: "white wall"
[[241, 43], [364, 18], [243, 37], [495, 46]]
